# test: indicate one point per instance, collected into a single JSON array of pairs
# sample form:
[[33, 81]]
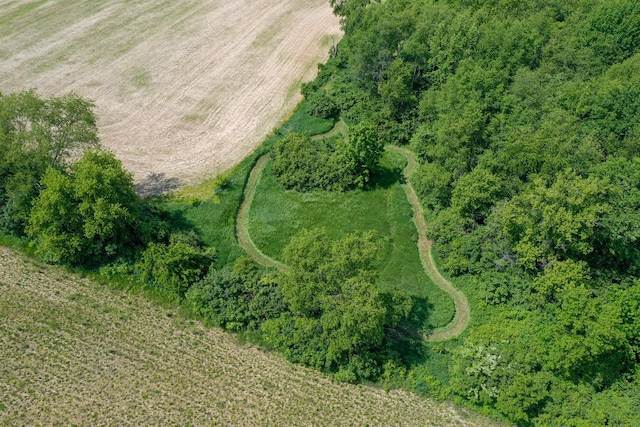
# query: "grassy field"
[[183, 89], [277, 215], [78, 353]]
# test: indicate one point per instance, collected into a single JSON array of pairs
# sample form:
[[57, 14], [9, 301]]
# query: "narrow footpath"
[[242, 219], [463, 313]]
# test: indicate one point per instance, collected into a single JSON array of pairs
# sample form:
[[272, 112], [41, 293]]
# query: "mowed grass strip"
[[78, 353], [277, 215]]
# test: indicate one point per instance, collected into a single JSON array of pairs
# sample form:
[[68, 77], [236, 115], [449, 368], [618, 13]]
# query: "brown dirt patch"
[[184, 89]]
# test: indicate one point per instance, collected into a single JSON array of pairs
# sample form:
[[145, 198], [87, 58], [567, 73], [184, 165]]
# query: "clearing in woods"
[[462, 310], [75, 352], [184, 89]]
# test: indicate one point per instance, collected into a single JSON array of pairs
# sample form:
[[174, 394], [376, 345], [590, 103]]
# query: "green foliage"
[[554, 222], [107, 202], [558, 277], [524, 115], [589, 343], [396, 89], [364, 150], [611, 104], [321, 105], [432, 182], [522, 362], [55, 222], [87, 215], [304, 164], [615, 30], [172, 268], [37, 134], [54, 127], [628, 301], [337, 316], [619, 239], [475, 193], [237, 298]]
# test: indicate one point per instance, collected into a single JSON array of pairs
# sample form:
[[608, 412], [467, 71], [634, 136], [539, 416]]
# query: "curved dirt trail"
[[242, 219], [462, 310]]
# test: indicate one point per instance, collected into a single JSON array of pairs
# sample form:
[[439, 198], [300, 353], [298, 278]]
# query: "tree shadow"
[[405, 339], [385, 177], [156, 184], [418, 320]]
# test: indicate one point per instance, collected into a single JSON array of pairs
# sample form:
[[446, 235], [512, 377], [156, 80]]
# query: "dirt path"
[[242, 219], [462, 314], [183, 89]]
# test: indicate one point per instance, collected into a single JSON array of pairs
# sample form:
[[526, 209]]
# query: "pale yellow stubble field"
[[184, 89]]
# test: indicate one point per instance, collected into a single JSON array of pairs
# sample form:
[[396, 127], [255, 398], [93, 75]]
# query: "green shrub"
[[321, 105], [303, 164], [171, 269], [237, 298], [86, 215]]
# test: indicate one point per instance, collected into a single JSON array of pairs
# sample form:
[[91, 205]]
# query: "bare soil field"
[[184, 89], [75, 352]]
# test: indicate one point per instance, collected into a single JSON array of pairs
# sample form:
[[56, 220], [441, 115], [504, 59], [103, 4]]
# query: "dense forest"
[[526, 119]]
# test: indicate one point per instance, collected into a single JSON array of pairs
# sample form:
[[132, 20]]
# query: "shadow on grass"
[[385, 177], [407, 339], [418, 321]]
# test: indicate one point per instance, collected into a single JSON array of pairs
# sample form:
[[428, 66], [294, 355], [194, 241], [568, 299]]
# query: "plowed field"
[[77, 353], [184, 89]]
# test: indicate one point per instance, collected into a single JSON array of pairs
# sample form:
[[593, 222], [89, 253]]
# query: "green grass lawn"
[[277, 215]]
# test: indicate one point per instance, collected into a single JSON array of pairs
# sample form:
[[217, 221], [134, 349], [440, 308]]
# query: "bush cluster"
[[303, 164]]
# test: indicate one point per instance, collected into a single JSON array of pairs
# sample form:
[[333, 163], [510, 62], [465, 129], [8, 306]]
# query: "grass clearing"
[[75, 352], [277, 215]]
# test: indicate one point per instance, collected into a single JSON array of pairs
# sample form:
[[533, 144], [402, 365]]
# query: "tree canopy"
[[525, 118], [88, 213], [37, 134], [337, 316]]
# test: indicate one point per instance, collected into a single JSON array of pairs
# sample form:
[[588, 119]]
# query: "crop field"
[[183, 89], [78, 353]]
